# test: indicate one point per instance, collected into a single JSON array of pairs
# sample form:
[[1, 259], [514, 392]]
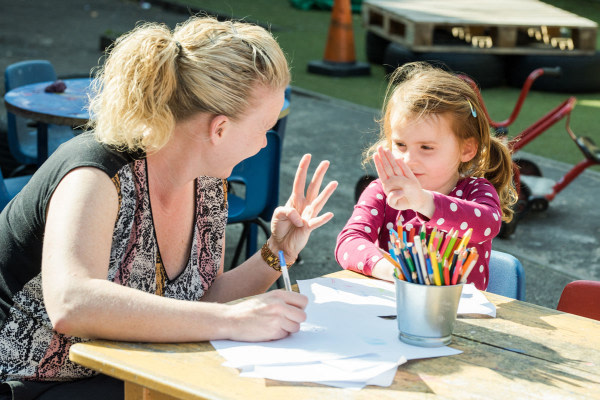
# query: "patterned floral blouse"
[[30, 349]]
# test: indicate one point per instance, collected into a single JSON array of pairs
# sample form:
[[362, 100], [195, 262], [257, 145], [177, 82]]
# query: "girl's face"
[[430, 148]]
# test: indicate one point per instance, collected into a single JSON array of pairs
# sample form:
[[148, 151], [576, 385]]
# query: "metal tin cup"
[[426, 313]]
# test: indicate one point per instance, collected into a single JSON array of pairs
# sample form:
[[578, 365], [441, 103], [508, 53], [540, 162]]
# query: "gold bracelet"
[[270, 258]]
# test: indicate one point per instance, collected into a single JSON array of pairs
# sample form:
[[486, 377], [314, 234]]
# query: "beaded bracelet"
[[270, 258]]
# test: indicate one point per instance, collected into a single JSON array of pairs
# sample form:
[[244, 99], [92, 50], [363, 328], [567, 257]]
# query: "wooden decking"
[[492, 26]]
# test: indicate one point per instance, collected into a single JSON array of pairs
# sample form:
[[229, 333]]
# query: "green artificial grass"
[[303, 36]]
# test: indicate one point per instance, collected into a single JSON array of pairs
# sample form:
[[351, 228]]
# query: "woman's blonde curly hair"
[[154, 77]]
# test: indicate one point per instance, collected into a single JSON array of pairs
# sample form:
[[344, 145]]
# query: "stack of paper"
[[343, 342]]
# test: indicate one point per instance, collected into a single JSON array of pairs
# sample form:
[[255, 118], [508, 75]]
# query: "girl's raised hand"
[[403, 189], [292, 224]]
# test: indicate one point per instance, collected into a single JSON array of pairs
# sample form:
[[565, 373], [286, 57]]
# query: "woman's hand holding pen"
[[403, 189], [269, 316], [292, 224]]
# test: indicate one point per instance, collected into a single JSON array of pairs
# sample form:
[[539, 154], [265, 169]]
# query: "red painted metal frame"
[[537, 128]]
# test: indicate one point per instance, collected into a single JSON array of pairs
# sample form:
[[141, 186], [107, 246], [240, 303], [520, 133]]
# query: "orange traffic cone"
[[340, 59]]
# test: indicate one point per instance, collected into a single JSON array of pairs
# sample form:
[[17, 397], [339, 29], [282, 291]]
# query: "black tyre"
[[487, 70], [375, 46], [579, 74], [396, 55], [527, 167], [361, 185], [520, 210]]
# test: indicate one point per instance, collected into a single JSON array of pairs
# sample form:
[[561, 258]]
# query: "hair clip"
[[473, 112]]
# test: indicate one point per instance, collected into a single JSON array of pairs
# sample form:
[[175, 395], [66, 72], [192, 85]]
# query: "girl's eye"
[[426, 147], [400, 144]]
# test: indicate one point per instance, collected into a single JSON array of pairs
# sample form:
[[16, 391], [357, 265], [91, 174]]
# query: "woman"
[[123, 228]]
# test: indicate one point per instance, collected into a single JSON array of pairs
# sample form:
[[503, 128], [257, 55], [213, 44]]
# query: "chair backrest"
[[260, 175], [507, 276], [581, 298], [4, 196], [16, 75]]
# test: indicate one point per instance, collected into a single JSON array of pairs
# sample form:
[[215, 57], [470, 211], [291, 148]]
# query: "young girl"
[[438, 166]]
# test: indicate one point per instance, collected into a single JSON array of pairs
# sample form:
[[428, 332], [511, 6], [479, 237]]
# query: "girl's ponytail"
[[500, 174]]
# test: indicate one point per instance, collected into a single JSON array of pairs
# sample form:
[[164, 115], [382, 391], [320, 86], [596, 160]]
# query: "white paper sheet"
[[472, 301], [377, 297], [343, 342]]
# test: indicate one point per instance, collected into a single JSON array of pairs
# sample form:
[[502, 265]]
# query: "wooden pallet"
[[491, 26]]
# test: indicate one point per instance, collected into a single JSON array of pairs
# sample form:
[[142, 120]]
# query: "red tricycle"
[[535, 191]]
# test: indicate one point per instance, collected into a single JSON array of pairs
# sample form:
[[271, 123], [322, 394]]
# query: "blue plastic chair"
[[507, 276], [260, 176], [9, 188], [22, 137]]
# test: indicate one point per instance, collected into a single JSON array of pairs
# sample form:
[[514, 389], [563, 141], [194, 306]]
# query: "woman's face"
[[430, 148], [247, 135]]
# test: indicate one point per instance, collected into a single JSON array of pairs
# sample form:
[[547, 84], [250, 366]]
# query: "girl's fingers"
[[379, 167], [392, 162], [387, 167], [406, 171]]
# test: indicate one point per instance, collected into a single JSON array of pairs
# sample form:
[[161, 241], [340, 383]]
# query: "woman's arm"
[[291, 226], [80, 301]]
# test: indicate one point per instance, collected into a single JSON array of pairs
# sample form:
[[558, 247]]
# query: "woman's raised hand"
[[401, 186], [292, 224]]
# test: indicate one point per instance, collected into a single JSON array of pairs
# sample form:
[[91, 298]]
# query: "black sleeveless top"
[[29, 348]]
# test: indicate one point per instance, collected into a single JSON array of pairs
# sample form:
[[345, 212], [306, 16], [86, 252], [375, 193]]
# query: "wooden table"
[[68, 108], [527, 351]]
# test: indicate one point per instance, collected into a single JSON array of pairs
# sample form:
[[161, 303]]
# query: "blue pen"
[[284, 272]]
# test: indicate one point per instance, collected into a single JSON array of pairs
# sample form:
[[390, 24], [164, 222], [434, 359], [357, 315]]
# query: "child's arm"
[[383, 269], [474, 203], [357, 246]]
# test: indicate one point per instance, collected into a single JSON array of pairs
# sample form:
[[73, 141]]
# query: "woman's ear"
[[468, 150], [217, 127]]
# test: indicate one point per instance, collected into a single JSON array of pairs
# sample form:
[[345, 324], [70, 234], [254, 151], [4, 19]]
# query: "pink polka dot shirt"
[[473, 203]]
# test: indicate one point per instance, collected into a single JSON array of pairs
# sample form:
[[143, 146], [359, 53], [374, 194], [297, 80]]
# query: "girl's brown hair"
[[153, 78], [420, 89]]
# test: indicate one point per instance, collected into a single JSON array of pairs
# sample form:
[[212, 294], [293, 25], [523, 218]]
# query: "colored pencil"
[[465, 240], [397, 270], [450, 246], [469, 268], [445, 244], [421, 257], [458, 267], [411, 266], [415, 260], [403, 266], [436, 269], [446, 272]]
